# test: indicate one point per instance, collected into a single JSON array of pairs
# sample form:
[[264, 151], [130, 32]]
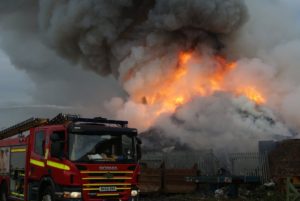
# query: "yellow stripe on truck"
[[104, 178], [60, 166], [101, 172], [17, 150], [109, 184], [17, 194], [37, 163], [108, 194]]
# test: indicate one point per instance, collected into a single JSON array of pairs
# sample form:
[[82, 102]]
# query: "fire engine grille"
[[106, 184]]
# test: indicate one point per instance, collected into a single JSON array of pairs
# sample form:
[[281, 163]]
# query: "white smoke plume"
[[223, 123], [138, 42], [272, 37]]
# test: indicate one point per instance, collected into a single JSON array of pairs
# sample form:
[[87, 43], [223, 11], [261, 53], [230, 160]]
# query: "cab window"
[[39, 142], [57, 142]]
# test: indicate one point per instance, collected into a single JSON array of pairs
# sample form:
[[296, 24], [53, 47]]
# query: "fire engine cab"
[[69, 158]]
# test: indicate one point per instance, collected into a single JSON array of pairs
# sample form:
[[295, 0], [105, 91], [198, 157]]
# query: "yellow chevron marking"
[[58, 165], [18, 150], [37, 163]]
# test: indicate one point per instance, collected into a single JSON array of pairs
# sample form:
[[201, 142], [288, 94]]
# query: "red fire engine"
[[69, 158]]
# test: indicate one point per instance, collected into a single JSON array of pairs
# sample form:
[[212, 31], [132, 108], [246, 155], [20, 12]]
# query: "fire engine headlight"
[[75, 194], [134, 193], [72, 194]]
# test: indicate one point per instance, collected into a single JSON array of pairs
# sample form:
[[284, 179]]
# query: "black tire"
[[47, 194], [135, 199], [3, 192]]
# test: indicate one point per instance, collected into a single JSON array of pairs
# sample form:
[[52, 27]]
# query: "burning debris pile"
[[182, 66], [220, 121]]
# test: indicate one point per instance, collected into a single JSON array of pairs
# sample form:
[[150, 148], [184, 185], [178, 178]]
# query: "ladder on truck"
[[59, 119], [22, 127], [34, 122]]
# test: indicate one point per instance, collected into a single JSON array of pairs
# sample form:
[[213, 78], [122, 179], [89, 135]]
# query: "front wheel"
[[47, 194], [3, 192], [134, 199]]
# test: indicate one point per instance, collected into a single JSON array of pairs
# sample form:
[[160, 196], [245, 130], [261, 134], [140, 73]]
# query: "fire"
[[184, 57], [194, 75], [179, 100], [252, 94]]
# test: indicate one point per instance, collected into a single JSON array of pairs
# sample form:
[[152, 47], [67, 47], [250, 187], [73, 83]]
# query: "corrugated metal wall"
[[250, 164], [247, 164], [205, 160]]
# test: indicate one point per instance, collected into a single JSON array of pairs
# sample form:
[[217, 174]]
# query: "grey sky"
[[15, 89], [15, 85], [70, 90]]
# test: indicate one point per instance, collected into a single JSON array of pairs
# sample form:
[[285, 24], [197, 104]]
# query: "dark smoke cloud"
[[217, 16], [59, 85], [99, 34]]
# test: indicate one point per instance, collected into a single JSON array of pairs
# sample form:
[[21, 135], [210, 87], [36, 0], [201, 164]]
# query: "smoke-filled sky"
[[114, 58]]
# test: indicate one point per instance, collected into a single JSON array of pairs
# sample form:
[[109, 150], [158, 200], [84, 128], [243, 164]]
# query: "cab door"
[[56, 164], [37, 155]]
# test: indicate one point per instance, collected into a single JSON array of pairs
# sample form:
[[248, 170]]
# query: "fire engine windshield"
[[101, 148]]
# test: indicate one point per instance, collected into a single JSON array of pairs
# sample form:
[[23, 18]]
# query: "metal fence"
[[241, 164], [250, 164], [206, 161]]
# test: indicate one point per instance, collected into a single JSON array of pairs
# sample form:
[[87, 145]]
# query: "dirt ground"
[[266, 196]]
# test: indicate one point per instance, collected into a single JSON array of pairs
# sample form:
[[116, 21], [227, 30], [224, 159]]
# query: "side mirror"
[[139, 149], [139, 152]]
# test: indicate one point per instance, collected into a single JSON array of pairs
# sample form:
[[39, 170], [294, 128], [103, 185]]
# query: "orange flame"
[[252, 94], [184, 57], [182, 84]]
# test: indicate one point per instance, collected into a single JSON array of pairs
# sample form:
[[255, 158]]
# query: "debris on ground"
[[261, 193]]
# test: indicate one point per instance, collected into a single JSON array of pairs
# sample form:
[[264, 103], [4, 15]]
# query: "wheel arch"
[[4, 183], [4, 186], [44, 183]]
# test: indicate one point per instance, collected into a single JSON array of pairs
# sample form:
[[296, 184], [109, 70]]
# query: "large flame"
[[185, 81], [252, 93]]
